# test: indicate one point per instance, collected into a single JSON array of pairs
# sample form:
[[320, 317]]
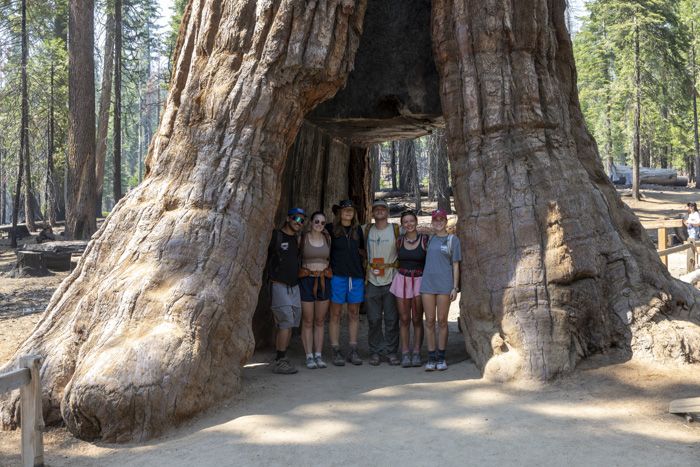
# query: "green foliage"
[[605, 59]]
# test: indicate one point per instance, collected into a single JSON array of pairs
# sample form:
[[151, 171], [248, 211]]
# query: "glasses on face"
[[298, 219], [319, 221]]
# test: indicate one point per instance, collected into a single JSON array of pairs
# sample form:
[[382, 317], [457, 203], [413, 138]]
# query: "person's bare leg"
[[353, 322], [334, 324], [282, 339], [429, 309], [403, 306], [307, 324], [321, 309], [443, 309], [417, 319]]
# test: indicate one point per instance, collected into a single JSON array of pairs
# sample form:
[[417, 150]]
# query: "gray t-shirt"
[[437, 275]]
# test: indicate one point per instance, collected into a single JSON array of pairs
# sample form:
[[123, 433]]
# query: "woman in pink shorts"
[[411, 248]]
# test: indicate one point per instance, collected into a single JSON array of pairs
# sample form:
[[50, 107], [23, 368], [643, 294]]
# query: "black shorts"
[[306, 288]]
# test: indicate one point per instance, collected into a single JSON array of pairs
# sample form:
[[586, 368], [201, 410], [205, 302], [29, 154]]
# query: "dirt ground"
[[611, 411]]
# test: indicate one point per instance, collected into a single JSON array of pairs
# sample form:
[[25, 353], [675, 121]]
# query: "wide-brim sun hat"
[[380, 203], [345, 203]]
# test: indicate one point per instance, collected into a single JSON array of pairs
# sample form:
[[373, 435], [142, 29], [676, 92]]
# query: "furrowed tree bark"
[[103, 112], [441, 173], [153, 326], [80, 202], [555, 266]]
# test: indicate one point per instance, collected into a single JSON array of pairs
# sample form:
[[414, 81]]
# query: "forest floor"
[[611, 411]]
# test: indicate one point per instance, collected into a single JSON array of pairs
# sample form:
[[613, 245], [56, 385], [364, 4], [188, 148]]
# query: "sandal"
[[394, 360], [374, 359]]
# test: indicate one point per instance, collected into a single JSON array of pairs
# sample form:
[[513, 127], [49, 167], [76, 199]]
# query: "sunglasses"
[[298, 219], [319, 221]]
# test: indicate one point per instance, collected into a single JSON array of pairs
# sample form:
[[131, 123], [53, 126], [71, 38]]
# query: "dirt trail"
[[610, 412]]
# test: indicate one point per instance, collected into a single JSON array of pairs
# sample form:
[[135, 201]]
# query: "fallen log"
[[651, 176], [57, 255]]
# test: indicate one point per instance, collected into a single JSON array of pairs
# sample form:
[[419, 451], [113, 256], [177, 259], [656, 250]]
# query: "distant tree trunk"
[[555, 267], [117, 136], [16, 201], [394, 156], [154, 320], [441, 181], [413, 184], [407, 166], [50, 191], [637, 113], [376, 168], [696, 138], [80, 203], [3, 187], [24, 132], [103, 113]]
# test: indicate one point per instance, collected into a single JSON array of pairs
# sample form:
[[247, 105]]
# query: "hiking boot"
[[319, 362], [441, 365], [283, 367], [406, 360], [430, 366], [393, 359], [415, 359], [311, 363], [354, 357], [338, 357], [374, 359]]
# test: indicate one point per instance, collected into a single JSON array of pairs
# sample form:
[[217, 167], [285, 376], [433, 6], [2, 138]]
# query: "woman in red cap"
[[439, 287]]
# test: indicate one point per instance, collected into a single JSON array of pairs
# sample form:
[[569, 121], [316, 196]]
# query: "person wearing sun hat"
[[439, 286], [347, 283], [283, 272]]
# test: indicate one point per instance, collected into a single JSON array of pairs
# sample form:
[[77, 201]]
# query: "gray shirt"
[[437, 275]]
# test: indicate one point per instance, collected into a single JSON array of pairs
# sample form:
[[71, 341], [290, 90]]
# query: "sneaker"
[[311, 363], [375, 359], [441, 365], [430, 366], [338, 357], [283, 367], [354, 357], [319, 362], [406, 360], [415, 359]]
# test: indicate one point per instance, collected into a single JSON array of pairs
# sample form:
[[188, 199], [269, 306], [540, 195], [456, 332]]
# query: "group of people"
[[400, 274]]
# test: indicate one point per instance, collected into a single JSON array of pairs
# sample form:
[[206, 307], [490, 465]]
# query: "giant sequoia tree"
[[154, 324]]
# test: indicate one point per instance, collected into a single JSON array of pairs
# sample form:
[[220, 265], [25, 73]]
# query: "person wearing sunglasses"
[[315, 287], [283, 274]]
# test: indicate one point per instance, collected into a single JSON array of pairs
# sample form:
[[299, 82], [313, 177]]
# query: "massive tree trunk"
[[555, 266], [103, 112], [80, 202], [154, 323]]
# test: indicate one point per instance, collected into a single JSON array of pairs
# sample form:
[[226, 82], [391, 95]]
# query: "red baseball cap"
[[439, 213]]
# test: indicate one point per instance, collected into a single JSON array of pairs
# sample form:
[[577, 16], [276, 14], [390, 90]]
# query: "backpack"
[[449, 244], [277, 235]]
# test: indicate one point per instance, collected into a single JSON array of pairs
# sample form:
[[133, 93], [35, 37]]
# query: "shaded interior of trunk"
[[392, 93]]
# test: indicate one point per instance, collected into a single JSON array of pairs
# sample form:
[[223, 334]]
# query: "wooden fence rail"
[[27, 380]]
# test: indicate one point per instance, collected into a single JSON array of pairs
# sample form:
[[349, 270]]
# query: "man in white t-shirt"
[[382, 316], [693, 221]]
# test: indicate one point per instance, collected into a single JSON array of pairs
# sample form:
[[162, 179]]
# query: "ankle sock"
[[431, 355], [281, 354], [441, 354], [317, 355], [309, 355]]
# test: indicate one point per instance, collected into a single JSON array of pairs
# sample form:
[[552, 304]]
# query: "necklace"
[[411, 242]]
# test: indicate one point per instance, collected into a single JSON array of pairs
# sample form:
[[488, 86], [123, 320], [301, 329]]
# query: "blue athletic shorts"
[[347, 289]]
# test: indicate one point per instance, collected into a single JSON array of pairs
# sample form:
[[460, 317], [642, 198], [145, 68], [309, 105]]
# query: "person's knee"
[[417, 320], [319, 321], [442, 323], [404, 319]]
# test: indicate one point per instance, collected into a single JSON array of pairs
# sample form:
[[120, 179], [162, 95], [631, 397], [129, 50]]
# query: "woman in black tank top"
[[411, 249]]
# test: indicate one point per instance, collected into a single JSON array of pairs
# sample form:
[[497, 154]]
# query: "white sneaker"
[[311, 363], [430, 366], [319, 362], [441, 365]]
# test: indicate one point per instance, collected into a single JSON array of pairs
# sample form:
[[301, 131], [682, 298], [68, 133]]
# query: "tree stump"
[[30, 264], [57, 255]]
